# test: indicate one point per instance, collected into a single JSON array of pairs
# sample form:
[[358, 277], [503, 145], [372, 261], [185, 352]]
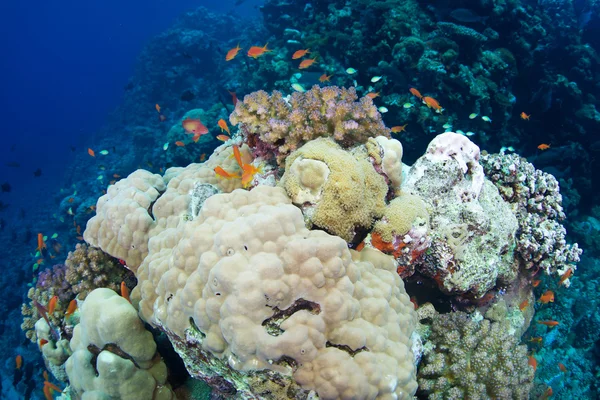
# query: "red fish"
[[307, 63], [550, 323], [233, 98], [565, 276], [194, 126], [299, 54], [257, 51], [533, 362], [223, 125], [562, 367], [180, 143], [157, 107], [543, 146], [416, 93], [224, 174], [399, 128], [547, 297], [91, 152], [232, 53], [52, 305], [71, 309], [223, 138], [125, 291], [525, 116], [19, 361], [41, 243], [43, 342], [324, 78], [372, 95]]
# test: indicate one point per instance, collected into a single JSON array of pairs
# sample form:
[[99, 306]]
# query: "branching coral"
[[473, 359], [536, 201], [276, 125]]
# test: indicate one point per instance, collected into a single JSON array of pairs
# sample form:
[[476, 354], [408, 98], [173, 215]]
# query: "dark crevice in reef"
[[287, 361], [272, 323], [110, 347], [346, 348], [150, 208]]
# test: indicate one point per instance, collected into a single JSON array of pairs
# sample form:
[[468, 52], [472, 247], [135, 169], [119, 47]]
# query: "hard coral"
[[276, 125], [255, 302], [474, 359], [338, 191], [536, 201]]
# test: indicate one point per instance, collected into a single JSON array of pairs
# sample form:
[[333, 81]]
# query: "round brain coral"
[[339, 191], [251, 287]]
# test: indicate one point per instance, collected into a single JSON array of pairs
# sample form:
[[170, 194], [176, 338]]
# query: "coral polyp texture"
[[255, 290], [470, 251], [472, 358], [277, 125], [323, 179], [536, 200], [114, 356]]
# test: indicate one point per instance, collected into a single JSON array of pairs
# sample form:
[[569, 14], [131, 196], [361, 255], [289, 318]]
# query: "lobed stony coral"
[[276, 125], [473, 359]]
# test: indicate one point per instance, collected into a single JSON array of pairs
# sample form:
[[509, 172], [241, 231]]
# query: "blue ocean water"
[[118, 78]]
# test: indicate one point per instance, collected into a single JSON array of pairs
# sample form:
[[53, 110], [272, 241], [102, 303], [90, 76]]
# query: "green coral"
[[468, 358]]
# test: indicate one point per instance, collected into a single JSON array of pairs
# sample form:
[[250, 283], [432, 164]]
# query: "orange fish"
[[523, 304], [80, 238], [543, 146], [257, 51], [180, 143], [224, 174], [232, 53], [324, 78], [233, 98], [550, 323], [45, 375], [372, 95], [202, 157], [116, 176], [52, 305], [399, 128], [416, 93], [72, 307], [223, 125], [547, 297], [307, 63], [238, 156], [18, 361], [535, 283], [125, 291], [537, 339], [223, 138], [48, 393], [547, 394], [71, 200], [248, 174], [565, 276], [299, 54], [41, 243], [157, 108], [525, 116], [194, 126], [562, 367], [533, 362], [52, 386], [432, 103], [43, 342], [91, 152], [195, 138]]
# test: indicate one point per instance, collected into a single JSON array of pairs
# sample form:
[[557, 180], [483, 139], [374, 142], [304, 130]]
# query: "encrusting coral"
[[278, 125], [468, 358]]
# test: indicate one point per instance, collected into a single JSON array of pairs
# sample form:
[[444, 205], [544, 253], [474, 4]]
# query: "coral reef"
[[114, 356], [246, 282], [469, 252], [274, 124], [536, 201], [473, 358], [322, 179]]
